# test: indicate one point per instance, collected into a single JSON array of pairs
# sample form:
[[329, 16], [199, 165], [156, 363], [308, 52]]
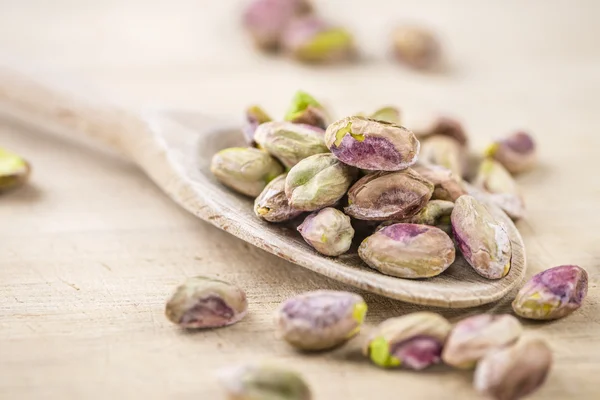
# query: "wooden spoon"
[[174, 149]]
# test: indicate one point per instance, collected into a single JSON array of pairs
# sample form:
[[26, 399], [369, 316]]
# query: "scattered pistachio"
[[414, 341], [474, 337], [266, 20], [318, 181], [373, 145], [329, 231], [408, 251], [290, 142], [445, 126], [516, 152], [446, 185], [553, 293], [203, 302], [384, 196], [245, 170], [254, 117], [502, 189], [416, 47], [321, 319], [483, 241], [444, 151], [306, 110], [387, 114], [263, 382], [14, 170], [272, 204], [311, 39], [514, 372]]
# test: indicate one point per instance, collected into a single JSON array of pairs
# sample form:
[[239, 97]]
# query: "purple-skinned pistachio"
[[245, 170], [483, 241], [311, 39], [306, 110], [416, 46], [320, 319], [501, 188], [290, 142], [446, 126], [446, 185], [317, 182], [552, 294], [513, 372], [202, 302], [14, 170], [254, 117], [272, 204], [372, 145], [408, 251], [382, 196], [329, 231], [413, 341], [516, 152], [444, 151], [266, 20], [474, 337]]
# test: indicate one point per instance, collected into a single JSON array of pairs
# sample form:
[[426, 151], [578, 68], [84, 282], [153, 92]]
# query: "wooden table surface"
[[90, 250]]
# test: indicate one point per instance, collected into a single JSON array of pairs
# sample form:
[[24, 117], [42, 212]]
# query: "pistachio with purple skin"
[[516, 153], [413, 341], [245, 170], [254, 117], [203, 302], [444, 151], [553, 293], [416, 47], [321, 319], [408, 251], [289, 142], [513, 372], [445, 126], [382, 196], [317, 182], [266, 20], [329, 231], [474, 337], [14, 170], [372, 145], [501, 188], [272, 204], [306, 110], [311, 39], [483, 241], [446, 185]]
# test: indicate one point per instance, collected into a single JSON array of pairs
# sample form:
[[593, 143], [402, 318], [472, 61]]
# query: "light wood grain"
[[93, 248]]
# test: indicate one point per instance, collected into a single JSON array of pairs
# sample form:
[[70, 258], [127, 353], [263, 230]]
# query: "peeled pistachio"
[[516, 152], [373, 145], [318, 181], [321, 319], [435, 212], [311, 39], [263, 382], [483, 241], [254, 117], [446, 185], [14, 170], [445, 126], [444, 151], [272, 204], [245, 170], [514, 372], [502, 188], [203, 302], [290, 142], [474, 337], [387, 114], [266, 20], [413, 341], [384, 196], [306, 110], [408, 251], [329, 231], [416, 47], [553, 293]]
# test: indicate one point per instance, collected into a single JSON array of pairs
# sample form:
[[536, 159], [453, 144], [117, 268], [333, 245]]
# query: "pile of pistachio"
[[369, 176], [507, 363]]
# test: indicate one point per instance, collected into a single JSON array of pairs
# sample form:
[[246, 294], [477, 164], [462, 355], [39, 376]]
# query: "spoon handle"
[[31, 99]]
